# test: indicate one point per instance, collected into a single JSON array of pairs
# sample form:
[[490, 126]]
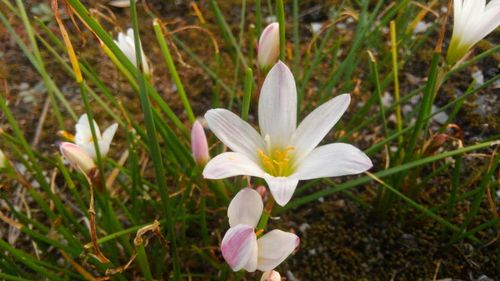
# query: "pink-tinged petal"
[[199, 144], [282, 188], [271, 276], [274, 247], [333, 160], [278, 106], [77, 157], [237, 134], [245, 208], [269, 46], [317, 124], [230, 164], [239, 247]]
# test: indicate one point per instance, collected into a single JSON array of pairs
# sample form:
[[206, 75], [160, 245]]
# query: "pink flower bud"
[[269, 46], [271, 276], [77, 157], [199, 145]]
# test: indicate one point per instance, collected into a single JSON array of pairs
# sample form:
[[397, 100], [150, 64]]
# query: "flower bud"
[[3, 160], [271, 276], [199, 145], [126, 43], [269, 46], [77, 157]]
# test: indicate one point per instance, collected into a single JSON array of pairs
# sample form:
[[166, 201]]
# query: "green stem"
[[172, 69], [154, 147], [280, 15], [247, 93]]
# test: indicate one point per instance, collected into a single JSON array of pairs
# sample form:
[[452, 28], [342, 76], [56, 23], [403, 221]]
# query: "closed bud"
[[199, 145], [269, 46], [77, 157], [271, 276]]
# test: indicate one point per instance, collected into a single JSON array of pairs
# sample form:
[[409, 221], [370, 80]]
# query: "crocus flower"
[[199, 145], [473, 20], [269, 46], [3, 160], [240, 246], [271, 276], [126, 43], [282, 153], [83, 137], [77, 157]]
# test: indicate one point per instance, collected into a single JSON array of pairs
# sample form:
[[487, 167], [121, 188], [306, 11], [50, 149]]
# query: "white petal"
[[245, 208], [83, 133], [230, 164], [489, 20], [239, 247], [107, 138], [333, 160], [237, 134], [317, 124], [282, 188], [278, 106], [274, 248], [109, 133]]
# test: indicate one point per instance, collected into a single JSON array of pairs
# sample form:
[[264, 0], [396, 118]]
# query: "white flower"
[[83, 137], [473, 20], [283, 153], [126, 44], [77, 157], [3, 160], [240, 246]]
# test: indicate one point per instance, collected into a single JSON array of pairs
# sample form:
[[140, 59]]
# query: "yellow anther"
[[277, 163]]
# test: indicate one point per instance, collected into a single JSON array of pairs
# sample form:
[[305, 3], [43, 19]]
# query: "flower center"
[[278, 163]]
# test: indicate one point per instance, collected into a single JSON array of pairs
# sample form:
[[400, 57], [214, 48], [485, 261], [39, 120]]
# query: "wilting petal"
[[83, 132], [317, 124], [237, 134], [239, 247], [332, 160], [282, 188], [271, 276], [274, 247], [245, 208], [278, 106], [199, 144], [230, 164], [77, 157]]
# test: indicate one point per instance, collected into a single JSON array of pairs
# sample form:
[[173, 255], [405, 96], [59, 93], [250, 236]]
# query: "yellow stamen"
[[278, 162]]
